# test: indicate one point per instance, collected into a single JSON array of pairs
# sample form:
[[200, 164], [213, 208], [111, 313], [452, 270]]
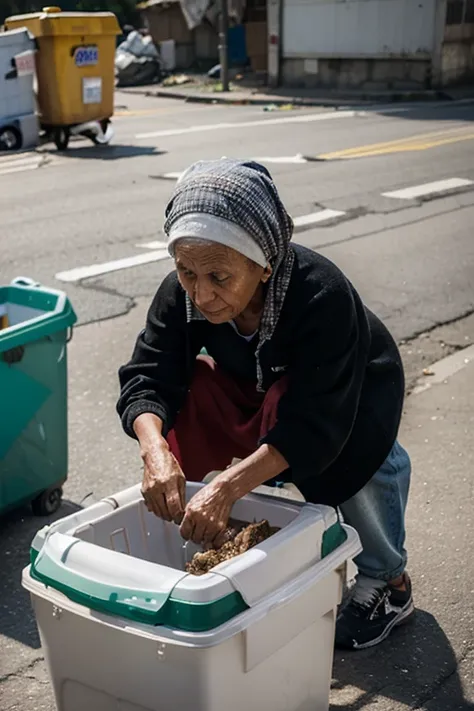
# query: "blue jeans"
[[377, 512]]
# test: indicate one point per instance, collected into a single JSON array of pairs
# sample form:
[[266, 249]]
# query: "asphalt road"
[[411, 258]]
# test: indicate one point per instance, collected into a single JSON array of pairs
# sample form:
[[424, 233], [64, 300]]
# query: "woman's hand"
[[207, 515], [164, 484]]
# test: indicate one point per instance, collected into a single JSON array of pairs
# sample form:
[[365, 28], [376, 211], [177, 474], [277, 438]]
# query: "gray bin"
[[17, 98]]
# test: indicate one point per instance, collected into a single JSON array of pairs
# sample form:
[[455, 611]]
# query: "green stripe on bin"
[[174, 613], [333, 537]]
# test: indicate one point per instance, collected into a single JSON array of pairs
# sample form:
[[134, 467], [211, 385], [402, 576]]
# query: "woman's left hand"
[[207, 515]]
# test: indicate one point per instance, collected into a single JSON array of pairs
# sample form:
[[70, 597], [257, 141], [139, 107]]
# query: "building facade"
[[370, 44]]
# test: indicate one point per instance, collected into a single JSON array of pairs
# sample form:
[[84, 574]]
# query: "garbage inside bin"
[[241, 539], [124, 626], [36, 326]]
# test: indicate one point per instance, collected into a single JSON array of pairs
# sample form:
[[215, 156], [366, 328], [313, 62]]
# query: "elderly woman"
[[301, 383]]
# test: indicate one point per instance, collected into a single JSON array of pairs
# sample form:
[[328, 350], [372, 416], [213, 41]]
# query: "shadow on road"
[[107, 153], [409, 668], [449, 111], [17, 530]]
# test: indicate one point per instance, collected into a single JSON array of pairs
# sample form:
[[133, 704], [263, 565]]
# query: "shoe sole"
[[403, 618]]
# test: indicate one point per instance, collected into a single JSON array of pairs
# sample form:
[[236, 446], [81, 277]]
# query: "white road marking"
[[300, 224], [27, 160], [445, 368], [157, 244], [98, 269], [294, 160], [160, 252], [172, 176], [298, 159], [440, 186], [306, 221], [202, 128], [19, 162]]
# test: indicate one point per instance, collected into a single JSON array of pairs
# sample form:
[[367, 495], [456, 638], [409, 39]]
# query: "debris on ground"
[[279, 107], [176, 80], [215, 72], [242, 541], [137, 61]]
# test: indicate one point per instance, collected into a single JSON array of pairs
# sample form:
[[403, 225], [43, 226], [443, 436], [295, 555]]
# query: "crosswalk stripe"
[[27, 160], [19, 162], [18, 169]]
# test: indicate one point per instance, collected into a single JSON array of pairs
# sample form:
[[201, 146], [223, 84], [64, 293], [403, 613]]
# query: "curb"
[[394, 97]]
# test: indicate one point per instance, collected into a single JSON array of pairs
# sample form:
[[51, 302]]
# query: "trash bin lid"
[[38, 312], [69, 556], [52, 22]]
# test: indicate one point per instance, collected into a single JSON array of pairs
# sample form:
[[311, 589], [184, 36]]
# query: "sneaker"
[[374, 609]]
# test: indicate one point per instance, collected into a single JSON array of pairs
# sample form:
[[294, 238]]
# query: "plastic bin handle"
[[85, 573], [56, 313], [25, 281]]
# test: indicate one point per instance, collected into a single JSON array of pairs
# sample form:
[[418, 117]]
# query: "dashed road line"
[[440, 186], [300, 224], [156, 244], [203, 128], [306, 221], [278, 160], [94, 270], [159, 251]]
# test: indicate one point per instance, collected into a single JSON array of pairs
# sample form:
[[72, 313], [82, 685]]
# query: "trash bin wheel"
[[48, 502], [61, 138], [103, 124]]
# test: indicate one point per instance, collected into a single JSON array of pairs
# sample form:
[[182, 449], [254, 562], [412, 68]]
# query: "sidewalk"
[[207, 93], [428, 666]]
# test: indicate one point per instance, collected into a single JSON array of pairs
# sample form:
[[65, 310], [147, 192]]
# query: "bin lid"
[[46, 311], [19, 37], [51, 22], [119, 584]]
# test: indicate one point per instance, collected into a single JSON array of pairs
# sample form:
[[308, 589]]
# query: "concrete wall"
[[358, 28], [457, 55], [367, 74]]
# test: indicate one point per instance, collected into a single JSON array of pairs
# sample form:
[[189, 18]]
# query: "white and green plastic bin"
[[123, 626], [37, 325]]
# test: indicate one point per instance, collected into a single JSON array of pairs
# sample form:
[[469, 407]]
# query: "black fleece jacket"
[[340, 415]]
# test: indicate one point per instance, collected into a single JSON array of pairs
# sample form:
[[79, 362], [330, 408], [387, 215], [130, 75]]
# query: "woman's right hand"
[[164, 484]]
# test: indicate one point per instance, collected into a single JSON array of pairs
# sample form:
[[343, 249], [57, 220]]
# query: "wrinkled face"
[[219, 281]]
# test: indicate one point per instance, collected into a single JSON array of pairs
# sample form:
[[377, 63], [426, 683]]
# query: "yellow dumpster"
[[75, 70]]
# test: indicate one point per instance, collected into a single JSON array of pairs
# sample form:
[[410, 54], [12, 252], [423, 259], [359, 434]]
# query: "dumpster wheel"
[[61, 136], [48, 502]]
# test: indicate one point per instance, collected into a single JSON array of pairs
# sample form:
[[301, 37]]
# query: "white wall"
[[358, 28]]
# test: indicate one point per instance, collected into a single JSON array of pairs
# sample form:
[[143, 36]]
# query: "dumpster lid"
[[33, 312], [51, 21]]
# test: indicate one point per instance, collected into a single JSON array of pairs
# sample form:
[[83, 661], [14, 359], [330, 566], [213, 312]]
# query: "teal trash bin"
[[35, 327]]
